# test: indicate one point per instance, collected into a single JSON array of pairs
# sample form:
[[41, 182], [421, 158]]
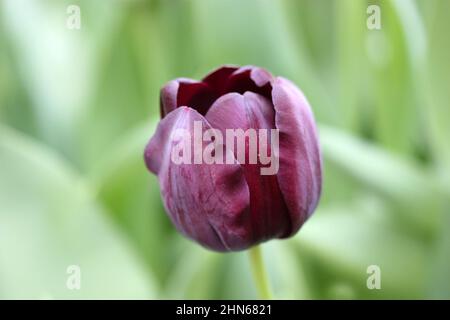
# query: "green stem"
[[260, 273]]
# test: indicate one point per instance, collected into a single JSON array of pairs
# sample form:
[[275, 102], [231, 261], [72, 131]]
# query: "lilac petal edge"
[[300, 173]]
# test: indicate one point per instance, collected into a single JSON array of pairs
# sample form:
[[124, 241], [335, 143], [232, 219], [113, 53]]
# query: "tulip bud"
[[237, 157]]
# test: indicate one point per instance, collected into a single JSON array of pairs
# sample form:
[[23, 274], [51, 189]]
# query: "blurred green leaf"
[[434, 79], [440, 262], [287, 273], [397, 179], [396, 102], [350, 25], [49, 221], [131, 195], [196, 273], [349, 243]]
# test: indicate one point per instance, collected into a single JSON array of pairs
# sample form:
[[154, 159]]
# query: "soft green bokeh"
[[78, 106]]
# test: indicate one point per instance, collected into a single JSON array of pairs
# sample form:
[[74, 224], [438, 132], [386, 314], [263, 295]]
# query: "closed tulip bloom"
[[232, 206]]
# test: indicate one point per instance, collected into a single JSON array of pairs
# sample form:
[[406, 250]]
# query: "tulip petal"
[[168, 97], [218, 79], [186, 92], [269, 214], [169, 94], [300, 174], [206, 202], [199, 96], [250, 78]]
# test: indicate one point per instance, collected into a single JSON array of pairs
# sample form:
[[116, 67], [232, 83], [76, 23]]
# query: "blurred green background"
[[78, 106]]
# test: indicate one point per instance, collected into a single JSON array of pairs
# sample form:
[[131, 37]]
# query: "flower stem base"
[[259, 273]]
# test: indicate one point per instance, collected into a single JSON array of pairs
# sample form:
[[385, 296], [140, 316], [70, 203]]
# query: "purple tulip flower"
[[232, 206]]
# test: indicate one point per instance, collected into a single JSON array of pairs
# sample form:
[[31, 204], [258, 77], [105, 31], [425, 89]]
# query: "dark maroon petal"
[[300, 173], [200, 95], [250, 78], [206, 202], [169, 95], [196, 95], [269, 214], [186, 92], [218, 78]]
